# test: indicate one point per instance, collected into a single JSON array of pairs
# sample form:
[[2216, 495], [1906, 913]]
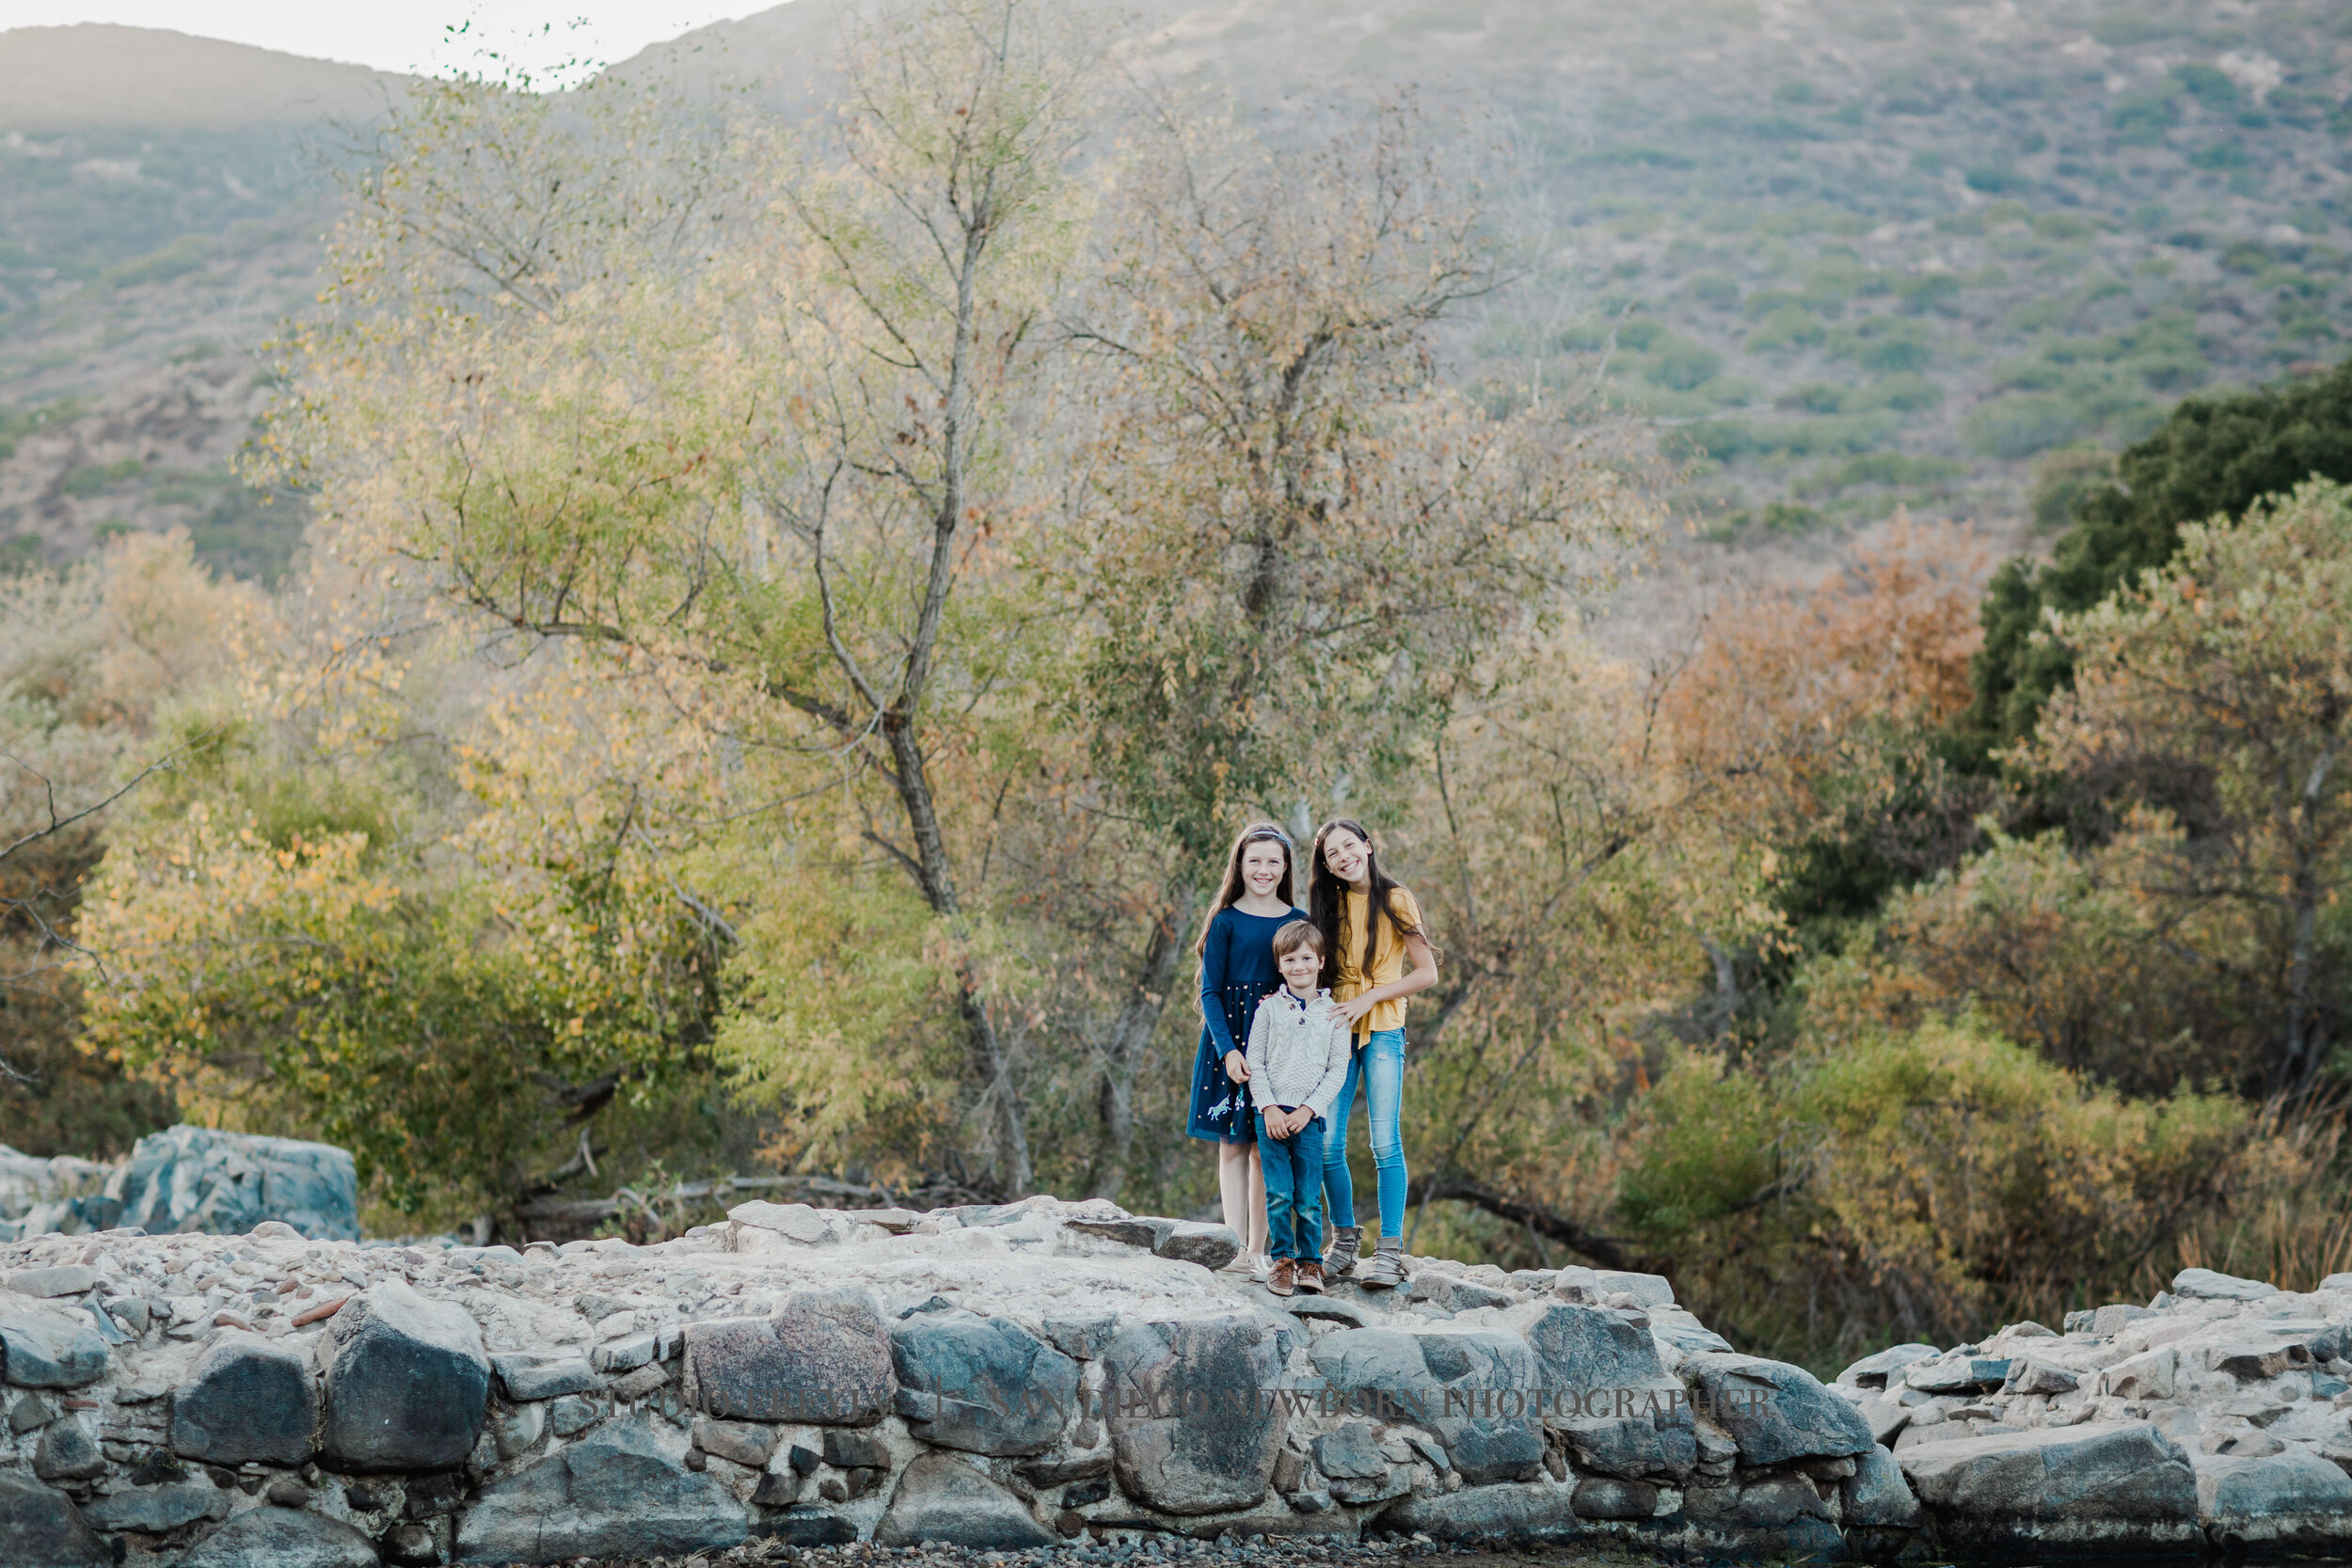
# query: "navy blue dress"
[[1236, 969]]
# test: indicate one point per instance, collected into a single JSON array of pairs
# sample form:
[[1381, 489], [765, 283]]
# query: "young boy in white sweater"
[[1297, 1057]]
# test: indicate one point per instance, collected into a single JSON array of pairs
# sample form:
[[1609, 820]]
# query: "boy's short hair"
[[1298, 934]]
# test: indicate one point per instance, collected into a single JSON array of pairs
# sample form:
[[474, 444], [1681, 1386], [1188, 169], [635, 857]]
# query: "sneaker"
[[1242, 1261], [1310, 1276], [1383, 1271], [1259, 1265], [1282, 1278], [1338, 1258]]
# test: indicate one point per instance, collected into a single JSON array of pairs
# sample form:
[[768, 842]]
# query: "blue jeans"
[[1379, 1065], [1294, 1190]]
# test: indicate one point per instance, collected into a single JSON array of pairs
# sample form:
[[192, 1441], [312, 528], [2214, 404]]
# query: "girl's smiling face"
[[1347, 855], [1262, 863]]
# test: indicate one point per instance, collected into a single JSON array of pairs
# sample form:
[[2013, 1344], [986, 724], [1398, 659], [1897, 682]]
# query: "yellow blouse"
[[1388, 959]]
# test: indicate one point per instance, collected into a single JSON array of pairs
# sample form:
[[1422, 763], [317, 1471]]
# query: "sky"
[[538, 36]]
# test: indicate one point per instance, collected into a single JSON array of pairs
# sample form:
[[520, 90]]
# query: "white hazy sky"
[[539, 36]]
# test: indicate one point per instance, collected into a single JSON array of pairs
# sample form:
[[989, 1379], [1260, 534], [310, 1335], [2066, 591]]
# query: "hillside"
[[96, 75], [1847, 255]]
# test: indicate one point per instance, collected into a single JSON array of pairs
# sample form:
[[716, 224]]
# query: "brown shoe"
[[1283, 1280], [1311, 1276]]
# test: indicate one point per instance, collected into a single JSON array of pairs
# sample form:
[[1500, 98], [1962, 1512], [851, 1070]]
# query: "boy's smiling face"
[[1300, 968]]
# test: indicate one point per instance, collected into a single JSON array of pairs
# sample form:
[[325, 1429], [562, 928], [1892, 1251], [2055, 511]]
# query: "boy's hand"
[[1293, 1122], [1278, 1125], [1238, 1067]]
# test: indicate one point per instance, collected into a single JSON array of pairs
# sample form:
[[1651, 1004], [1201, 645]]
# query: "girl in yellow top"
[[1377, 954]]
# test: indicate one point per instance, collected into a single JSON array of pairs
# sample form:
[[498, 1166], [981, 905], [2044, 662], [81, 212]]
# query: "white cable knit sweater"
[[1298, 1053]]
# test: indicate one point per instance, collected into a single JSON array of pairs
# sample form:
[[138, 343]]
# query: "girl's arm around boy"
[[1256, 1056]]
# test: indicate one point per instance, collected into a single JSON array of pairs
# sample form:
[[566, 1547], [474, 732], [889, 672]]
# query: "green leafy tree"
[[2227, 679], [2214, 457]]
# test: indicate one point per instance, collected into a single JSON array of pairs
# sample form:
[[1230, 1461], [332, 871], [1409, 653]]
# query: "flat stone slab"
[[2206, 1285], [2123, 1486], [71, 1279], [796, 1221], [536, 1376], [1146, 1233], [1525, 1512]]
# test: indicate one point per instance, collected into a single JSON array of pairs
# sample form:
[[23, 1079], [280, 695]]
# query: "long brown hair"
[[1257, 833], [1324, 890]]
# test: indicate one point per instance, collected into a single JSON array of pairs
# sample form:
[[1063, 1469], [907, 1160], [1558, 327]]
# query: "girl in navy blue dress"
[[1237, 969]]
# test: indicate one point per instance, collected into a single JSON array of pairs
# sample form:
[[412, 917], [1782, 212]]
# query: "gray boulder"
[[1875, 1371], [1876, 1495], [1582, 1348], [1650, 1289], [823, 1357], [282, 1538], [1533, 1511], [1762, 1502], [1473, 1387], [1775, 1412], [1957, 1374], [2118, 1487], [2289, 1498], [619, 1494], [807, 1526], [247, 1399], [747, 1442], [408, 1384], [1081, 1338], [944, 1498], [1212, 1247], [40, 1528], [1190, 1433], [1137, 1231], [156, 1509], [1625, 1416], [196, 1178], [1350, 1453], [1605, 1497], [65, 1452], [64, 1194], [1788, 1510], [51, 1350], [1453, 1293], [982, 1385]]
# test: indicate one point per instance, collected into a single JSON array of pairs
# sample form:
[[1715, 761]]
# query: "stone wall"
[[1010, 1377]]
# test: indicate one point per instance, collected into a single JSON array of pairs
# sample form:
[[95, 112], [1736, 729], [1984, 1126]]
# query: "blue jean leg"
[[1294, 1201], [1384, 1099], [1339, 1185]]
